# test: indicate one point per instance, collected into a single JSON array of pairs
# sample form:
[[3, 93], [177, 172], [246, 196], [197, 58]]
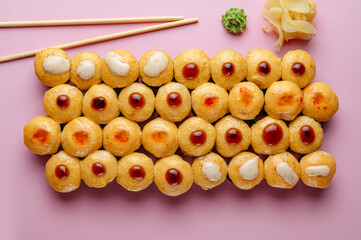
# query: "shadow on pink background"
[[30, 209]]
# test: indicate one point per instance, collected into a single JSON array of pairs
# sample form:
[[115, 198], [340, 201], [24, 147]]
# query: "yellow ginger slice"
[[290, 19]]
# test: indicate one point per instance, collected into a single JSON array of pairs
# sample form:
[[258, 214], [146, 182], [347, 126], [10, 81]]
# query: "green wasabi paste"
[[234, 20]]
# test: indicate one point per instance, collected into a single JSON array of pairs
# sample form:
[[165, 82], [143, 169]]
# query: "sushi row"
[[162, 138], [173, 176], [193, 67]]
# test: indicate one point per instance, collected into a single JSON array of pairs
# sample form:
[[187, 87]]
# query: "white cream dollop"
[[211, 171], [56, 65], [156, 64], [316, 171], [115, 64], [86, 69], [287, 173], [249, 170]]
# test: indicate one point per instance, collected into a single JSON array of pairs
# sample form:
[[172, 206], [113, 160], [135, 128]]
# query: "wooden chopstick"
[[89, 21], [104, 38]]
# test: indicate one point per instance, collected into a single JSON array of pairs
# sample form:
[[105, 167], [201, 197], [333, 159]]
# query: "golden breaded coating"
[[119, 68], [160, 137], [81, 136], [246, 170], [233, 136], [282, 170], [100, 104], [320, 102], [52, 66], [191, 68], [209, 170], [137, 102], [263, 67], [42, 135], [63, 103], [85, 70], [121, 136], [63, 172], [99, 169], [283, 100], [306, 135], [317, 169], [156, 68], [196, 136], [173, 102], [270, 136], [298, 67], [228, 68], [173, 176], [210, 102], [135, 172], [245, 100]]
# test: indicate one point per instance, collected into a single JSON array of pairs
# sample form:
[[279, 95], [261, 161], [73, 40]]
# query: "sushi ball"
[[282, 170], [263, 67], [100, 104], [119, 68], [228, 68], [81, 136], [63, 172], [42, 135], [270, 136], [156, 68], [173, 102], [85, 70], [210, 102], [191, 68], [63, 103], [52, 66]]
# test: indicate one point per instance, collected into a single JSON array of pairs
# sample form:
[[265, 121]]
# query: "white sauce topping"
[[56, 65], [211, 171], [156, 64], [115, 64], [315, 171], [287, 173], [86, 70], [249, 170]]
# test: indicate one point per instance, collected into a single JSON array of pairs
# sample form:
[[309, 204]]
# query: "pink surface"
[[30, 209]]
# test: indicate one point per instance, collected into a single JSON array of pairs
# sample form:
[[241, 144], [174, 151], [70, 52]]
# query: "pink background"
[[30, 209]]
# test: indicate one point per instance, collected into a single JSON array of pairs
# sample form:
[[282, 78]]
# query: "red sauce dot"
[[136, 100], [246, 97], [41, 135], [264, 68], [81, 137], [272, 134], [61, 171], [159, 136], [307, 134], [227, 69], [137, 172], [285, 100], [209, 101], [298, 69], [190, 71], [99, 103], [198, 137], [233, 136], [122, 136], [317, 98], [173, 177], [174, 99], [98, 169], [63, 101]]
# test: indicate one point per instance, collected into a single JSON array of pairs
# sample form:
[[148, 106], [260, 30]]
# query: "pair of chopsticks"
[[171, 21]]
